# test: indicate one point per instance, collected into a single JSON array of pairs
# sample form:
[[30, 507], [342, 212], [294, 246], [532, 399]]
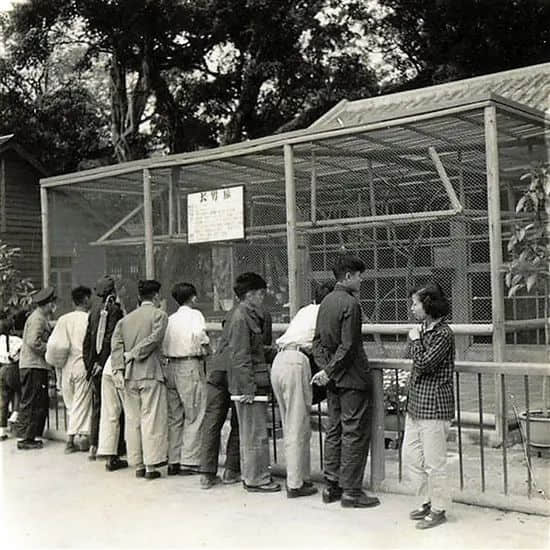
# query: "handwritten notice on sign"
[[216, 215]]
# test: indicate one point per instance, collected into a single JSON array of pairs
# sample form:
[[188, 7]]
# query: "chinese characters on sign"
[[216, 215]]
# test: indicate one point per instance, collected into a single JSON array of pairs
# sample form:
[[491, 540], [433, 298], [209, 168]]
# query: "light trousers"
[[146, 422], [254, 445], [112, 406], [186, 393], [290, 379], [77, 395], [425, 459]]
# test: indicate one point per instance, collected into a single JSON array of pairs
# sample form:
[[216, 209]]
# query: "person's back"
[[67, 350]]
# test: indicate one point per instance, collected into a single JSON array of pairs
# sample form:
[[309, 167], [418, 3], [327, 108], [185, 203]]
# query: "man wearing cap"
[[105, 313], [136, 364], [34, 370]]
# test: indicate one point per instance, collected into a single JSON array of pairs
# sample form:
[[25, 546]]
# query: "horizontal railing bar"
[[393, 329]]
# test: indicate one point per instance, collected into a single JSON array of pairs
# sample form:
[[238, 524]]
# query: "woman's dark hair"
[[6, 322], [183, 292], [433, 300], [346, 263]]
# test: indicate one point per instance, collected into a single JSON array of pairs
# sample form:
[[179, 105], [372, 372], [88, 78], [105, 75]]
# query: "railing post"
[[495, 244], [44, 216], [148, 225], [377, 464], [292, 242]]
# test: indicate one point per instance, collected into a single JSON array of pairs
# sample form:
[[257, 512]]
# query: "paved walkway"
[[52, 500]]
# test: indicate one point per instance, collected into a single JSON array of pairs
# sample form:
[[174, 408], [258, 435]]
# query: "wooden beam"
[[44, 216], [292, 242], [148, 225], [120, 223], [3, 224], [172, 198], [455, 203], [495, 244], [313, 198]]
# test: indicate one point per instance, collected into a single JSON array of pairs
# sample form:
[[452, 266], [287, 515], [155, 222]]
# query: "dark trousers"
[[33, 409], [9, 387], [348, 437], [218, 403], [96, 410]]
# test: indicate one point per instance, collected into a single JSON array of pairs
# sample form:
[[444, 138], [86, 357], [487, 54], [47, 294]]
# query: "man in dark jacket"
[[218, 403], [105, 313], [338, 351]]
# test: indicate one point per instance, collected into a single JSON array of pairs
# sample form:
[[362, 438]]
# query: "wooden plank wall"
[[22, 214]]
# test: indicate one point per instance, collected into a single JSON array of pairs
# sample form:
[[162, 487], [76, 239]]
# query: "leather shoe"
[[422, 512], [209, 480], [115, 463], [70, 448], [30, 444], [188, 472], [140, 472], [173, 469], [433, 519], [267, 488], [154, 474], [359, 500], [230, 476], [303, 491], [332, 493]]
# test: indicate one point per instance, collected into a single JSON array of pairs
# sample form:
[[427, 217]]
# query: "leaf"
[[514, 289], [531, 281]]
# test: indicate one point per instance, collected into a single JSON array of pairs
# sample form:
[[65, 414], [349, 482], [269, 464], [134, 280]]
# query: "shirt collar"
[[432, 326], [147, 303], [344, 288]]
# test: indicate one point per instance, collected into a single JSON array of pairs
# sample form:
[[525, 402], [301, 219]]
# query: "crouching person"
[[136, 364], [248, 377]]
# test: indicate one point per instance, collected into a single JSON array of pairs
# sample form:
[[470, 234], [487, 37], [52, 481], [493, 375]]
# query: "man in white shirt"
[[291, 381], [10, 386], [184, 347], [64, 351]]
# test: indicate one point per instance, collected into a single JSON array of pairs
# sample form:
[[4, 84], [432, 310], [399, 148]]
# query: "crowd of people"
[[148, 386]]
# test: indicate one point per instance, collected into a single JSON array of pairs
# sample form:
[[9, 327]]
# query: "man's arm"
[[148, 345], [241, 357], [33, 337], [338, 361], [117, 349]]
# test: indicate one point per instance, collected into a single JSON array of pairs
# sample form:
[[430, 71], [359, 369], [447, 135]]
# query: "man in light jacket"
[[136, 365]]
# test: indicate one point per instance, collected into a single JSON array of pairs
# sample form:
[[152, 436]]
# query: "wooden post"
[[172, 198], [313, 216], [495, 244], [3, 224], [44, 216], [377, 457], [148, 225], [292, 243]]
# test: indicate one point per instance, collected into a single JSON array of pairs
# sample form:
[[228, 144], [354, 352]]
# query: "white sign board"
[[216, 215]]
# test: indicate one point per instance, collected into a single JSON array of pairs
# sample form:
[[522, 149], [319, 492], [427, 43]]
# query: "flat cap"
[[44, 296]]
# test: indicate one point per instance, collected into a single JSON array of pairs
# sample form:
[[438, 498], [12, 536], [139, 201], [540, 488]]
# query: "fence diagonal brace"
[[119, 224], [455, 203]]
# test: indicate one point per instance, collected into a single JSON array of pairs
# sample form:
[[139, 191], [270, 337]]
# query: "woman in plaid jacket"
[[430, 404]]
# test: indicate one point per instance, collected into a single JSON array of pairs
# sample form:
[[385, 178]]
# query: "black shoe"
[[422, 512], [303, 491], [115, 463], [173, 469], [230, 477], [155, 474], [358, 500], [267, 488], [70, 448], [29, 444], [140, 472], [332, 493], [433, 519], [188, 472], [3, 437], [209, 480]]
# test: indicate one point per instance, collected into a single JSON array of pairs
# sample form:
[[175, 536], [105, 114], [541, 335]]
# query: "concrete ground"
[[50, 500]]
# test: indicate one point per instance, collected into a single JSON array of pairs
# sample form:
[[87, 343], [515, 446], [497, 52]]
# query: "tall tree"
[[441, 40]]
